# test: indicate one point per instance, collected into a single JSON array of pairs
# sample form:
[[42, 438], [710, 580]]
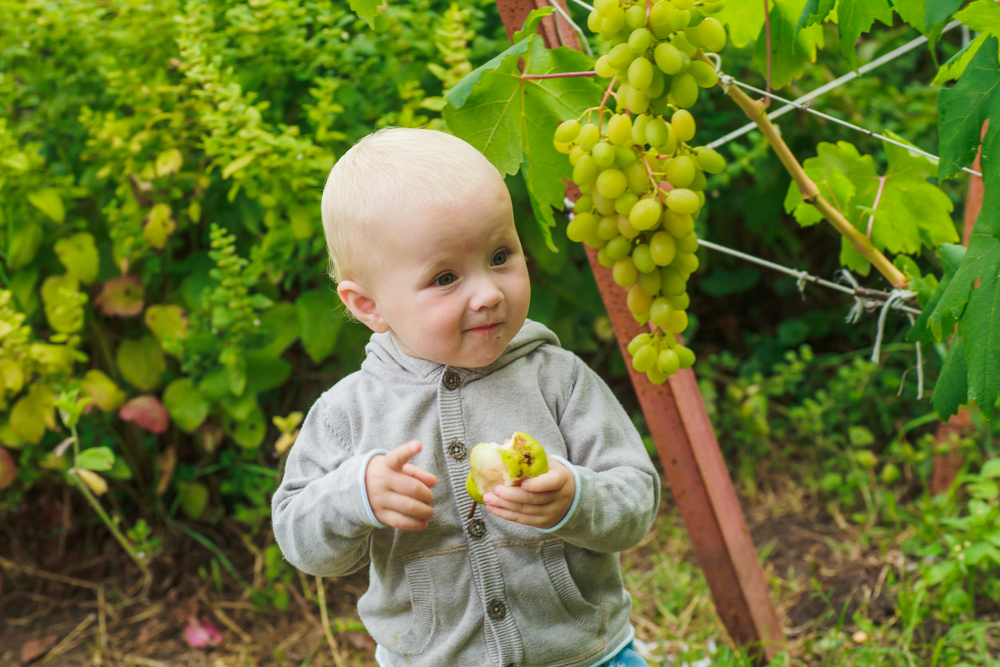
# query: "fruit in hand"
[[517, 459]]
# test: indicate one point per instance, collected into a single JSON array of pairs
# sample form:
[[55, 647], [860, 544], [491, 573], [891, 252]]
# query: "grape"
[[711, 161], [603, 205], [585, 170], [642, 259], [625, 202], [682, 200], [659, 15], [671, 281], [659, 312], [649, 283], [626, 229], [656, 86], [644, 358], [587, 189], [603, 154], [687, 244], [594, 21], [683, 45], [588, 137], [684, 90], [657, 132], [618, 247], [619, 129], [594, 241], [678, 224], [640, 39], [581, 227], [624, 271], [680, 301], [584, 204], [662, 31], [679, 171], [696, 18], [663, 248], [640, 74], [691, 34], [667, 362], [638, 301], [605, 7], [621, 56], [712, 7], [678, 322], [603, 259], [639, 128], [607, 227], [645, 214], [636, 101], [685, 356], [639, 341], [655, 376], [638, 179], [576, 154], [679, 19], [561, 147], [611, 183], [668, 58], [698, 184], [567, 131], [625, 156], [683, 4], [635, 17], [683, 124], [713, 35], [686, 262], [613, 22], [604, 68], [671, 145], [704, 74]]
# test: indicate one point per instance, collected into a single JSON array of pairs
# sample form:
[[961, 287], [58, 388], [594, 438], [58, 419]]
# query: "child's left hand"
[[540, 501]]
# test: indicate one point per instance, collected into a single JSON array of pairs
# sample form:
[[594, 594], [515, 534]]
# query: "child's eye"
[[500, 258], [445, 280]]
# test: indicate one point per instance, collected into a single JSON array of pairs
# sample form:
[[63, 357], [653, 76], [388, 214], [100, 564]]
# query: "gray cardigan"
[[484, 592]]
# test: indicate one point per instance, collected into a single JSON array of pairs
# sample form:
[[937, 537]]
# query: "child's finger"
[[409, 506], [401, 521], [518, 495], [493, 500], [553, 480], [420, 474], [410, 487], [397, 457]]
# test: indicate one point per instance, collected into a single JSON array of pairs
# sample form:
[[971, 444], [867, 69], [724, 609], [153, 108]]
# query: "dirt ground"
[[65, 592]]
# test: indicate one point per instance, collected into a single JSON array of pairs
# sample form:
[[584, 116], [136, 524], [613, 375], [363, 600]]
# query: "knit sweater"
[[480, 592]]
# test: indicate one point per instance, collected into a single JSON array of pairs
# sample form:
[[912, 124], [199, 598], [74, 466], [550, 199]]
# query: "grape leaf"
[[745, 19], [814, 11], [982, 16], [922, 329], [955, 66], [855, 17], [952, 387], [367, 10], [460, 93], [791, 49], [912, 11], [964, 108], [506, 116], [938, 11]]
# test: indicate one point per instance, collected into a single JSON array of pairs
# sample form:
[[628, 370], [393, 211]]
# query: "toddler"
[[422, 243]]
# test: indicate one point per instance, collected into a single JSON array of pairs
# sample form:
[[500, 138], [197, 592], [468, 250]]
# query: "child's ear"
[[359, 301]]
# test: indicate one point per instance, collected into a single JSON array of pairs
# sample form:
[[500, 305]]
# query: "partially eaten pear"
[[491, 464]]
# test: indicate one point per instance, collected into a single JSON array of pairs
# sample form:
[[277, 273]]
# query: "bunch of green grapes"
[[641, 177]]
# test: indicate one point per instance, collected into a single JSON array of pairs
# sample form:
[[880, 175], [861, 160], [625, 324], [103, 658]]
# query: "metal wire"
[[579, 31]]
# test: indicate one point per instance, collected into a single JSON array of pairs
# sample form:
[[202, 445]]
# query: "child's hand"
[[540, 501], [400, 492]]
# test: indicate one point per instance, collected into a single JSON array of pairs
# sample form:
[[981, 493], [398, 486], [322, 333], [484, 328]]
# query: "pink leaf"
[[122, 296], [201, 635], [147, 412], [8, 469]]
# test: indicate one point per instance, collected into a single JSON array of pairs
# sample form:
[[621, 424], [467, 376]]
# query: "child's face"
[[456, 288]]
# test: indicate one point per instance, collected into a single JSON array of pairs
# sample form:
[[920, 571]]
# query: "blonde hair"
[[385, 174]]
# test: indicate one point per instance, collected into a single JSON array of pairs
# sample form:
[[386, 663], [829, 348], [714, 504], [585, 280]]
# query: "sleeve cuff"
[[364, 488], [576, 496]]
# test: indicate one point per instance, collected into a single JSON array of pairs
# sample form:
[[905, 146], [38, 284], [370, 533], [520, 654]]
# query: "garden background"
[[161, 165]]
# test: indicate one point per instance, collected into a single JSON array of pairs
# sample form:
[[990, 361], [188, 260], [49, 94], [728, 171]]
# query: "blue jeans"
[[627, 657]]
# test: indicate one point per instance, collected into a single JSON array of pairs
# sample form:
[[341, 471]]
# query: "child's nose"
[[487, 294]]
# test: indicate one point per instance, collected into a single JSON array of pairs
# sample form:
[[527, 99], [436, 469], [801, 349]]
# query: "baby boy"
[[423, 247]]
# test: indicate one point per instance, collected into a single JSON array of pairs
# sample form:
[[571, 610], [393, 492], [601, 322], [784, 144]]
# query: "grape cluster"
[[641, 178]]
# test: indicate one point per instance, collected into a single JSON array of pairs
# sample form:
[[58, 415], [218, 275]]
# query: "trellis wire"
[[836, 83], [584, 5], [728, 80], [579, 31]]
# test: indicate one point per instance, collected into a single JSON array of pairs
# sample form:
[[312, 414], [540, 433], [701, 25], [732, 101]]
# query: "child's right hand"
[[400, 492]]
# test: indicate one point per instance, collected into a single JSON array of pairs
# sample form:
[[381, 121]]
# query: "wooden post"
[[687, 446]]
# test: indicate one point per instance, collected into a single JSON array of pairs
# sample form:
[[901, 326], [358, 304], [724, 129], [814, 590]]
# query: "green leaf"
[[506, 117], [141, 362], [860, 436], [243, 160], [102, 390], [79, 255], [460, 93], [279, 325], [923, 330], [194, 498], [912, 11], [814, 11], [48, 202], [34, 412], [956, 65], [745, 18], [991, 469], [366, 10], [984, 489], [531, 23], [119, 470], [249, 432], [855, 17], [938, 11], [169, 162], [159, 225], [166, 320], [96, 458], [265, 372], [981, 16], [187, 406], [964, 108], [319, 322], [24, 244], [940, 572], [791, 49], [951, 391]]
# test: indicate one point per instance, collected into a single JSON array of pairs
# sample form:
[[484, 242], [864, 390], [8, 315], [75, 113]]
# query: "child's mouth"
[[487, 329]]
